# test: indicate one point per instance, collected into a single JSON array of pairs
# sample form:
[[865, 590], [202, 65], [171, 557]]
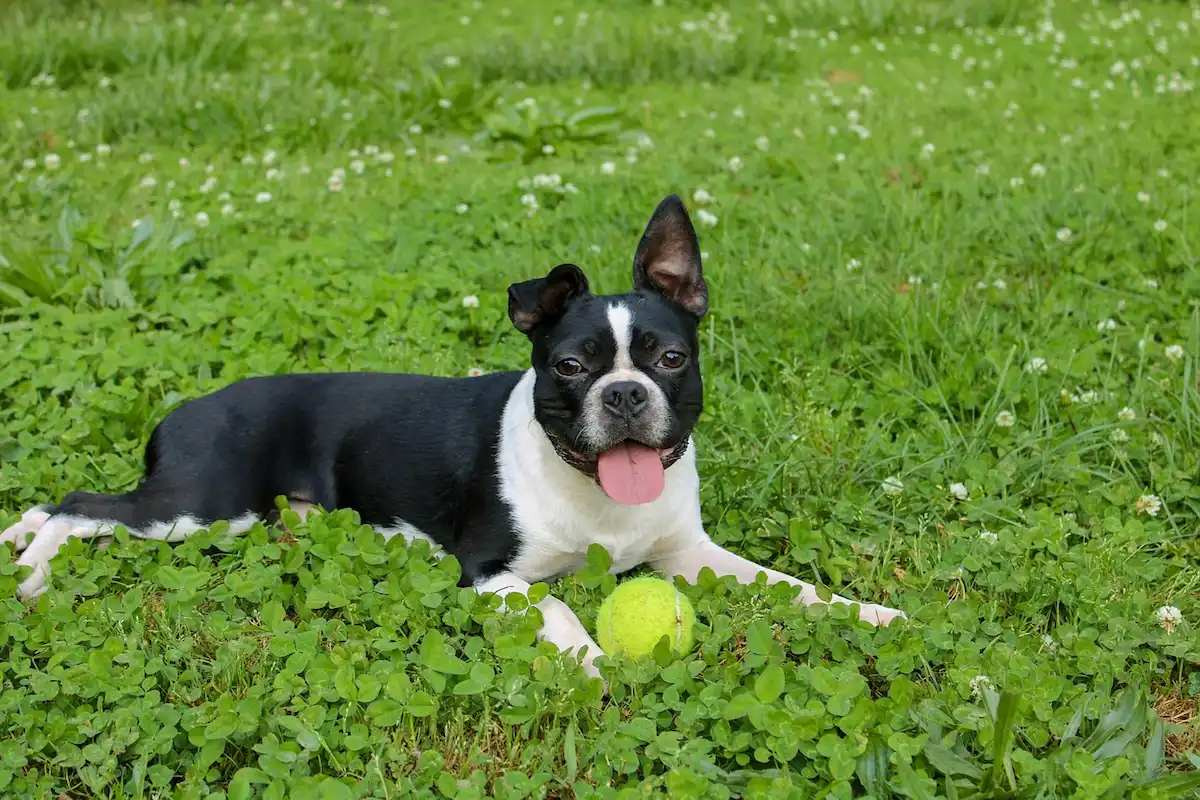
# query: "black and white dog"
[[515, 473]]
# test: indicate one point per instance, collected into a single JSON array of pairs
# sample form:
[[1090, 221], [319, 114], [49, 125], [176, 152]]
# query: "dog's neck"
[[522, 433]]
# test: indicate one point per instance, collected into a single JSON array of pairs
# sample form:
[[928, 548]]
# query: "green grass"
[[932, 198]]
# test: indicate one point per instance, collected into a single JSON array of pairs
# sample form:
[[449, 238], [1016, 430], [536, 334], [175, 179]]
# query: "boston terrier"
[[514, 473]]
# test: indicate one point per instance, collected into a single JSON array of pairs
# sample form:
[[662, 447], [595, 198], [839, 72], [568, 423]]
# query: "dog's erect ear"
[[530, 303], [668, 258]]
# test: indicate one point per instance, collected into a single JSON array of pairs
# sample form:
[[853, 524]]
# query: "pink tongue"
[[631, 473]]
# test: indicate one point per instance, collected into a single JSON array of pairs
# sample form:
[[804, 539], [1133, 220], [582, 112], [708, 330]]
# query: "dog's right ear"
[[531, 303]]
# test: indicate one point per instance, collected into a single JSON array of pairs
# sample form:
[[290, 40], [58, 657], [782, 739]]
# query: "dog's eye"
[[568, 368], [672, 359]]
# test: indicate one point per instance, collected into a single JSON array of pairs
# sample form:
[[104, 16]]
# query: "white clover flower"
[[1126, 414], [335, 183], [52, 161], [201, 219], [1119, 435], [414, 129], [980, 684], [1064, 234], [462, 208], [1173, 352], [982, 169], [988, 536], [1148, 504], [386, 157], [735, 164], [248, 160], [762, 143], [1169, 617], [608, 167], [145, 158], [1000, 284], [1006, 419], [893, 486], [269, 158], [1109, 324], [470, 301], [441, 158], [530, 201], [853, 264], [1143, 197], [1016, 182], [262, 197], [445, 102], [357, 167], [1150, 283], [148, 182], [1048, 643], [959, 491], [1160, 225], [548, 149], [227, 210], [706, 217], [700, 197], [451, 61], [1037, 365], [274, 174], [1037, 170]]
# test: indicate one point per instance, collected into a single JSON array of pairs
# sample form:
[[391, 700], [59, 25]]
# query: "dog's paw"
[[22, 532], [879, 615]]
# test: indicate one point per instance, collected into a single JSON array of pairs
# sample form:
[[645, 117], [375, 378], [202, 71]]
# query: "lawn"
[[950, 366]]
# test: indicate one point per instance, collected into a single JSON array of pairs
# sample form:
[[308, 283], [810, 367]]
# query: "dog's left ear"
[[668, 258], [531, 303]]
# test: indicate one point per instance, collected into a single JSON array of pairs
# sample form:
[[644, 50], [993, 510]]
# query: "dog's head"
[[618, 386]]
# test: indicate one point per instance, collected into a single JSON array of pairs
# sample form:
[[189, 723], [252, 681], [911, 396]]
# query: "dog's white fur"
[[559, 511]]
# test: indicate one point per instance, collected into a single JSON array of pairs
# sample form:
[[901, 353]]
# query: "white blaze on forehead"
[[621, 320]]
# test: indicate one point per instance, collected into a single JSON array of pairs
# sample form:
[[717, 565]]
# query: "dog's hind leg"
[[148, 512]]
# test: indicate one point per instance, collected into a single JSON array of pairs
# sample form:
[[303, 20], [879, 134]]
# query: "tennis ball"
[[639, 613]]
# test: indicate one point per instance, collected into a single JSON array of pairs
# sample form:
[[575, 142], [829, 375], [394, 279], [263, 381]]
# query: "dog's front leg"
[[694, 555], [561, 627]]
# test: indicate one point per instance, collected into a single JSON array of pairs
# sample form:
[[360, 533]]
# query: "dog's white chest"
[[553, 544]]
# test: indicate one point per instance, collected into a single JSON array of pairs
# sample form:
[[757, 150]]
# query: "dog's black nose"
[[625, 399]]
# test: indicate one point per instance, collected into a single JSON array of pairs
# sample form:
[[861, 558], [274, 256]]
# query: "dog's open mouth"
[[631, 473]]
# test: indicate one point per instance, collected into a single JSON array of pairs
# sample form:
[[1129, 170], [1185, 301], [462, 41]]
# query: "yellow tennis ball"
[[639, 613]]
